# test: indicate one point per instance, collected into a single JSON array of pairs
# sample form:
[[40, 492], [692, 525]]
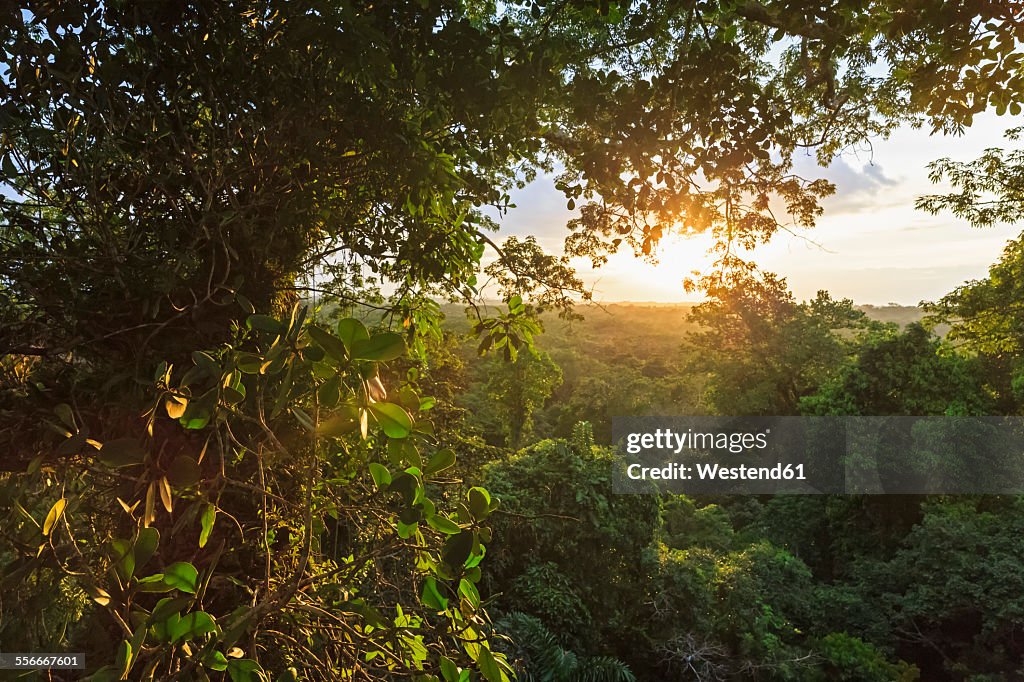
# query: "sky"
[[870, 245]]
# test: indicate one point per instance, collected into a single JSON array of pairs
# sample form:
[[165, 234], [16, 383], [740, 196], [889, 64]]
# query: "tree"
[[991, 188], [984, 315], [558, 506], [761, 349], [176, 175], [959, 612], [517, 390], [540, 656], [906, 373], [163, 158], [270, 497]]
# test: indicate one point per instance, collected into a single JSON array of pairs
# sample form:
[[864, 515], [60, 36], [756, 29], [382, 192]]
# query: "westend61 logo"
[[667, 439]]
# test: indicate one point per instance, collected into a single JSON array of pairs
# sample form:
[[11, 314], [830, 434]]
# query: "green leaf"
[[184, 471], [304, 419], [380, 347], [264, 323], [488, 666], [63, 411], [402, 452], [145, 546], [449, 671], [56, 511], [242, 669], [479, 502], [395, 421], [190, 626], [341, 423], [407, 530], [351, 331], [329, 393], [468, 590], [206, 522], [206, 362], [331, 344], [124, 558], [457, 548], [182, 576], [196, 420], [406, 486], [123, 662], [245, 304], [442, 459], [216, 661], [432, 597], [232, 396], [153, 583], [166, 607], [248, 363], [443, 524], [381, 475], [122, 452]]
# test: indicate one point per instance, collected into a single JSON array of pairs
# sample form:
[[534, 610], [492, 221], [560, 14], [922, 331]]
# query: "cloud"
[[857, 188]]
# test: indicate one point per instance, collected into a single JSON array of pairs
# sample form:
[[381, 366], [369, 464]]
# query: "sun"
[[629, 277]]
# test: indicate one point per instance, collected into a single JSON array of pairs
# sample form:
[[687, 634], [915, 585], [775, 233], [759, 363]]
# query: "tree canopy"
[[208, 474]]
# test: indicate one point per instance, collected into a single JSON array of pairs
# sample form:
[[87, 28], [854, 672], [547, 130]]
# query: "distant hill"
[[900, 314], [655, 318]]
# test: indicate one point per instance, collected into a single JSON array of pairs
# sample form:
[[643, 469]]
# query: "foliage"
[[518, 390], [684, 524], [991, 188], [540, 658], [163, 158], [557, 506], [763, 351], [199, 485], [904, 372], [849, 658], [969, 609], [278, 510]]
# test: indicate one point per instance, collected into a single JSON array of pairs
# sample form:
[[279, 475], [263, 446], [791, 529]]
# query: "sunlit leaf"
[[442, 459], [182, 576], [488, 666], [56, 511], [380, 347], [431, 596], [175, 406], [351, 331], [165, 494], [331, 344], [381, 475], [206, 521], [392, 419]]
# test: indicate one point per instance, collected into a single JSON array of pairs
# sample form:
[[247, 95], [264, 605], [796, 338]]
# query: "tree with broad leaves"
[[170, 169]]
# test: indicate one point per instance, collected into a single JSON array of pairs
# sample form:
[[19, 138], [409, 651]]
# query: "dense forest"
[[258, 420]]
